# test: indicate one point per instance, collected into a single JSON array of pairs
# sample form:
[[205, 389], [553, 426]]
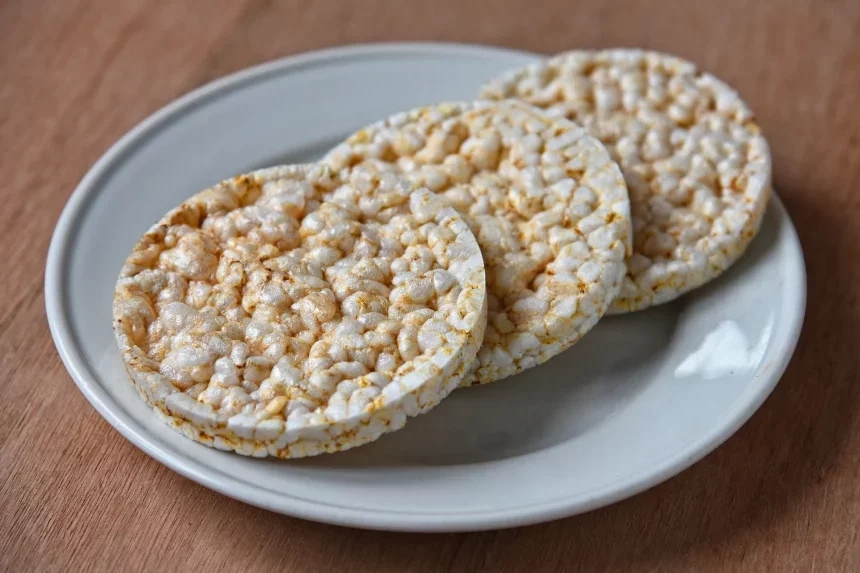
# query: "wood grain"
[[781, 495]]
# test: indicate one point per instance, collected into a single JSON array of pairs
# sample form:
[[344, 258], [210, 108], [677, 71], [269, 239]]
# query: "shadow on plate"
[[306, 154], [534, 410]]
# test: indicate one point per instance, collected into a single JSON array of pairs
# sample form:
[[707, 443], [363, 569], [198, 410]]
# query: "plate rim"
[[67, 346]]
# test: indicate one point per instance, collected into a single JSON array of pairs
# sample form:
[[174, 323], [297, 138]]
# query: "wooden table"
[[782, 495]]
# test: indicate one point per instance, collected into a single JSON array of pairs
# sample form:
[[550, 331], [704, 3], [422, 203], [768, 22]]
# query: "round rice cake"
[[288, 312], [697, 167], [547, 204]]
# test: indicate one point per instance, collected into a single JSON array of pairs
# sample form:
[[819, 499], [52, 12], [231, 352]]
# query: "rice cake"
[[274, 314], [547, 204], [696, 164]]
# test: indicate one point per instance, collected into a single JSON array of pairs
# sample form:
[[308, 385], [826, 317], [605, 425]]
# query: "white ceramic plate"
[[637, 400]]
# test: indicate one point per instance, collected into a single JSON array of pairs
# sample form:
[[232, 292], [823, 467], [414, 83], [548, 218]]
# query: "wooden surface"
[[781, 495]]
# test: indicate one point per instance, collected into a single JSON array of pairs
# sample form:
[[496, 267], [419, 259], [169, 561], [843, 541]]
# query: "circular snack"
[[697, 167], [545, 201], [288, 312]]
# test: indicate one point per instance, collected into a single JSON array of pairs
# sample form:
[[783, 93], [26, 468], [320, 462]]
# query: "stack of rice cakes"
[[307, 309]]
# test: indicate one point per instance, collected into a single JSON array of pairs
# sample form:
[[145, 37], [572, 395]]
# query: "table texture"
[[782, 495]]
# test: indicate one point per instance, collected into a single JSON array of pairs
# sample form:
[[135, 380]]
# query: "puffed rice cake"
[[696, 164], [288, 312], [547, 204]]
